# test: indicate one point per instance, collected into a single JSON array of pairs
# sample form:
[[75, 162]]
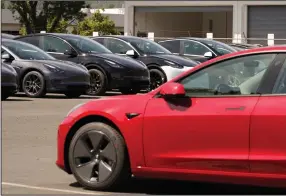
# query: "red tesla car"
[[223, 121]]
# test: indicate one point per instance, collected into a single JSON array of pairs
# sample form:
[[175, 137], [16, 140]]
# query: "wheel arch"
[[95, 66], [76, 127], [156, 66], [25, 73]]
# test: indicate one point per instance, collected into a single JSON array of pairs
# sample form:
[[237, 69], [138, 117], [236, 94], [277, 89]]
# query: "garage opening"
[[263, 20], [184, 21]]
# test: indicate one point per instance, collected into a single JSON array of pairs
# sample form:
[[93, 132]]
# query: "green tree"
[[61, 27], [36, 16], [2, 5], [96, 23]]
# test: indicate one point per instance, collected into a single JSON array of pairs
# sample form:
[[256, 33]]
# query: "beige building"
[[225, 19], [8, 23]]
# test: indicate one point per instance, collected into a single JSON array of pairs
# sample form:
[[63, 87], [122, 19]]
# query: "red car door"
[[268, 126], [208, 130]]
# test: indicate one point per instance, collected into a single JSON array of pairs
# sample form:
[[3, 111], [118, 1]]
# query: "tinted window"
[[86, 45], [173, 46], [194, 48], [118, 46], [280, 85], [99, 40], [31, 40], [241, 75], [26, 51], [219, 47], [53, 44], [146, 46]]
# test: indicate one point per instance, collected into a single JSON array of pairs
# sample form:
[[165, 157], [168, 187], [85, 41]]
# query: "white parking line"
[[50, 189]]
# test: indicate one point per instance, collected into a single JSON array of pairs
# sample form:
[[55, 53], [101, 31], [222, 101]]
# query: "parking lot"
[[29, 154]]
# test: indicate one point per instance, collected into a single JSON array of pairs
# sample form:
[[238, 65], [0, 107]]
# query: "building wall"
[[222, 23], [165, 24], [10, 27], [195, 24]]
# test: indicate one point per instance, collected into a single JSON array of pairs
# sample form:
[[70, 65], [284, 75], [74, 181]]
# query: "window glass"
[[86, 45], [194, 48], [31, 40], [117, 46], [241, 75], [53, 44], [173, 46], [280, 85], [219, 47], [26, 51], [145, 46], [99, 40]]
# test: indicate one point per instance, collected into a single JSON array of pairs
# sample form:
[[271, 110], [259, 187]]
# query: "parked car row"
[[76, 65]]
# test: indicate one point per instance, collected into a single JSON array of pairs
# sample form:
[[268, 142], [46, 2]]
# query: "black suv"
[[163, 65], [198, 49], [107, 70]]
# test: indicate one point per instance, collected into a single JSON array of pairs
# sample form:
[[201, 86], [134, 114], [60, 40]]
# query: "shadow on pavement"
[[62, 96], [13, 99], [167, 187]]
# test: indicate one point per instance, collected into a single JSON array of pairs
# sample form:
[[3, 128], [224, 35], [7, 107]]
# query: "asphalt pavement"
[[29, 138]]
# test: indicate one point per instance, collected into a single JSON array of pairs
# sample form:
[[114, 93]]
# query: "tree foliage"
[[49, 16], [96, 23]]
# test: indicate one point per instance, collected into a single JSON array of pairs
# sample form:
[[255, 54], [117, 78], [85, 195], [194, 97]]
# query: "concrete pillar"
[[129, 19]]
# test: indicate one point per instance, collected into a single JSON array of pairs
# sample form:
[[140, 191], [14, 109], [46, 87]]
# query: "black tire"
[[73, 94], [129, 91], [39, 87], [98, 83], [157, 78], [4, 96], [120, 169]]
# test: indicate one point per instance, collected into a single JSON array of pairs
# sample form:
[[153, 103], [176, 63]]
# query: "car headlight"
[[113, 64], [173, 64], [54, 69], [74, 108]]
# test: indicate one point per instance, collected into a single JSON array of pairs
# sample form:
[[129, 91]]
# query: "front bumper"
[[172, 72], [63, 130], [139, 80], [78, 83], [9, 88]]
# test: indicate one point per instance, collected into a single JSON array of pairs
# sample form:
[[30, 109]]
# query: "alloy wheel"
[[95, 83], [155, 80], [94, 156], [33, 84]]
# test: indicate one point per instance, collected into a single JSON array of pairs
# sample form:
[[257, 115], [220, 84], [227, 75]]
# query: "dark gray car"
[[8, 81], [40, 73]]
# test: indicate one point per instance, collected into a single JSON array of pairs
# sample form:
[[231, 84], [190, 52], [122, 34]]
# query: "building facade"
[[251, 20]]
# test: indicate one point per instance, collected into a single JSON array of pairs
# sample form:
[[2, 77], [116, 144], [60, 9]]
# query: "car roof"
[[7, 36], [9, 40], [61, 35], [123, 37]]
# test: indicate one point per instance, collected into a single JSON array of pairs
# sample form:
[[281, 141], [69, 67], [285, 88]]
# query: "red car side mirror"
[[172, 89]]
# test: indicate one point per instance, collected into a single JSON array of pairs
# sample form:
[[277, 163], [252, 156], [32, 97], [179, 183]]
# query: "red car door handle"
[[236, 108]]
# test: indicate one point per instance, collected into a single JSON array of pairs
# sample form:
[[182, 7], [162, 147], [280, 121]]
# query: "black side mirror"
[[70, 52]]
